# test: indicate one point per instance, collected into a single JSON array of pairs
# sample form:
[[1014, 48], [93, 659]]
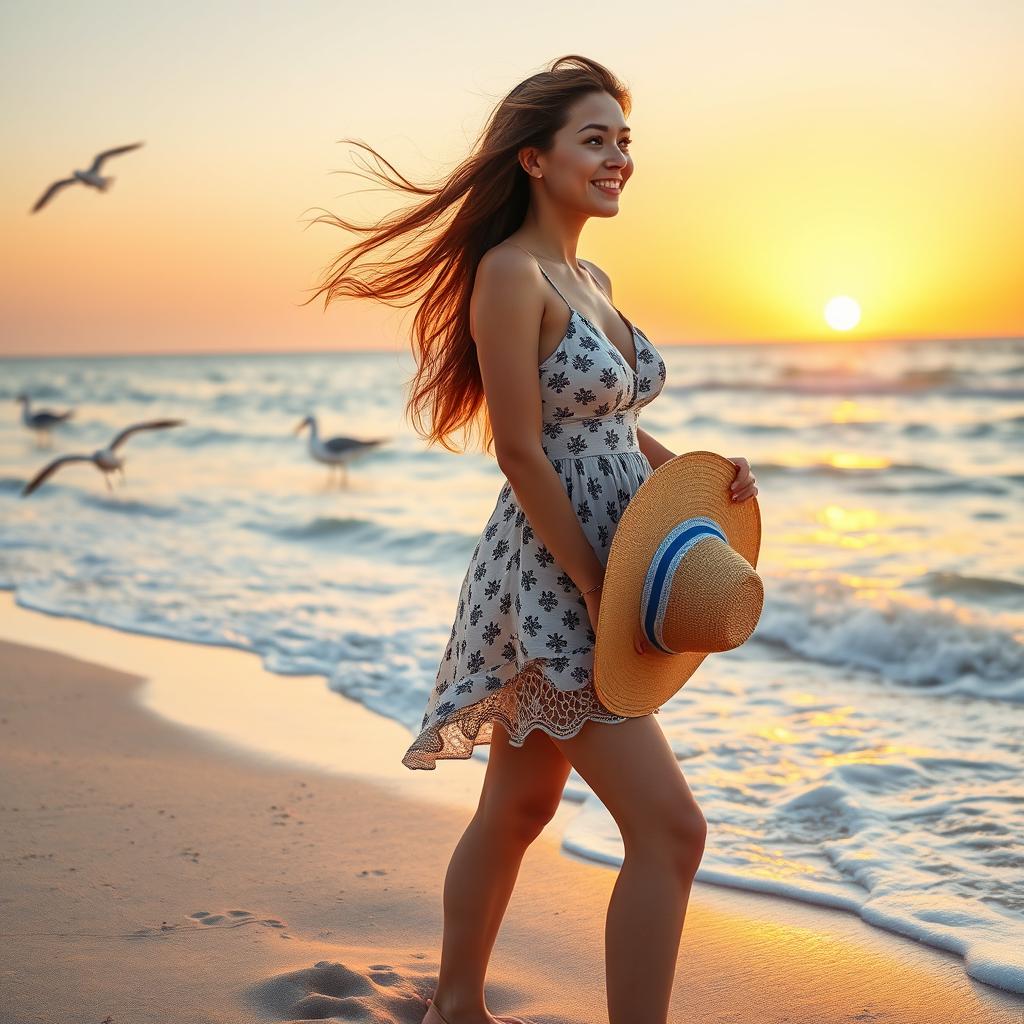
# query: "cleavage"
[[600, 330], [632, 339]]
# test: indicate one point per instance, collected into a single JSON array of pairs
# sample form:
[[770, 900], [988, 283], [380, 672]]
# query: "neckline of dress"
[[635, 333], [632, 329], [597, 330], [615, 348]]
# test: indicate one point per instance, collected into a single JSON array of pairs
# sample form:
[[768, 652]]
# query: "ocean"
[[863, 750]]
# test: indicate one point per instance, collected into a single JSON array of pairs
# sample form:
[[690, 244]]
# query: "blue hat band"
[[665, 561]]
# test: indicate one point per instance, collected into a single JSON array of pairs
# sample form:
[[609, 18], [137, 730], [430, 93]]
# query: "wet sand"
[[167, 856]]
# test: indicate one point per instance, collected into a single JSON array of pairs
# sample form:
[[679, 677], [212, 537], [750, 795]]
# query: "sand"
[[153, 871]]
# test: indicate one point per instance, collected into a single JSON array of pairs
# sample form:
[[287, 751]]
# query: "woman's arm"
[[506, 309], [655, 452]]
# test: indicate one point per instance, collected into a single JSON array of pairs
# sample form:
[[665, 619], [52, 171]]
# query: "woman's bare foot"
[[434, 1016]]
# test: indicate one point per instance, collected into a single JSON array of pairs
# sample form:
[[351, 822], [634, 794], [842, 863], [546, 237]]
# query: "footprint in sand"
[[207, 919], [232, 919]]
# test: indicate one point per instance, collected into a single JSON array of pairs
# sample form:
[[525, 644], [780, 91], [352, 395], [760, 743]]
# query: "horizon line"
[[908, 339]]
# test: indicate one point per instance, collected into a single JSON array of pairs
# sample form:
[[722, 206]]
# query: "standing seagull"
[[106, 459], [43, 420], [335, 451], [90, 177]]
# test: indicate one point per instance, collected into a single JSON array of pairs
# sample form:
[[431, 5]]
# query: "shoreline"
[[206, 815], [226, 695]]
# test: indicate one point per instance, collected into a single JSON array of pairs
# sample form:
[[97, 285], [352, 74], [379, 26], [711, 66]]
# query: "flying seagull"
[[42, 421], [90, 177], [105, 459], [335, 451]]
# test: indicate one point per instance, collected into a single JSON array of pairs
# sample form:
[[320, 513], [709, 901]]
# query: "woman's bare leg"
[[632, 770], [521, 791]]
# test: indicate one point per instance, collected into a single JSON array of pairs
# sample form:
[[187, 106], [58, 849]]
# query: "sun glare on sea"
[[842, 313]]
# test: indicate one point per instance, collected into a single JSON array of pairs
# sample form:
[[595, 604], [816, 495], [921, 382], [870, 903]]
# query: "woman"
[[516, 331]]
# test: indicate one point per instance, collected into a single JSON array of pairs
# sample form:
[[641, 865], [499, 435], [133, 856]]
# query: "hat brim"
[[692, 484]]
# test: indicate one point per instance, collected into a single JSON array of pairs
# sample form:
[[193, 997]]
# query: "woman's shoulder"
[[507, 265], [507, 282], [507, 256]]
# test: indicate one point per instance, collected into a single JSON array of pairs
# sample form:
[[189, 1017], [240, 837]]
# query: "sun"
[[842, 313]]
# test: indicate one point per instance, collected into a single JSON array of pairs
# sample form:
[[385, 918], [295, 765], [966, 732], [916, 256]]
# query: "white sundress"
[[521, 648]]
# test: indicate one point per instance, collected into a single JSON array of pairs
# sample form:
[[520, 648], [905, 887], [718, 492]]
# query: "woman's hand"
[[743, 486], [593, 602]]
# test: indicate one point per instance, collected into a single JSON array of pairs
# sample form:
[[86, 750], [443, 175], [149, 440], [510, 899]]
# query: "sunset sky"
[[786, 153]]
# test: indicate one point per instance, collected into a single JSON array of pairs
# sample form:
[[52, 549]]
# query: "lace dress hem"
[[528, 701]]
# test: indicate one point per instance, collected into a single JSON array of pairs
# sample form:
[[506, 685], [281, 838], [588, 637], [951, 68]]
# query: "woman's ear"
[[528, 162]]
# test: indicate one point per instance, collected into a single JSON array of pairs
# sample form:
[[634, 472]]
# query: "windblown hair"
[[487, 197]]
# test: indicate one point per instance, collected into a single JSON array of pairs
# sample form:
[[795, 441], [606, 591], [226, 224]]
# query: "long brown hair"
[[487, 195]]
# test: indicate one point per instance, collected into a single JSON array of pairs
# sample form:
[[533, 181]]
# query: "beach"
[[862, 751], [159, 868], [267, 570]]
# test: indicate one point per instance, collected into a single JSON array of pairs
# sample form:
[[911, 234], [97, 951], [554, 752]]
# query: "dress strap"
[[555, 286], [545, 273]]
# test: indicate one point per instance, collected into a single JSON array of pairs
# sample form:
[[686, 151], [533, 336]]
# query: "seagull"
[[106, 459], [335, 451], [43, 420], [90, 177]]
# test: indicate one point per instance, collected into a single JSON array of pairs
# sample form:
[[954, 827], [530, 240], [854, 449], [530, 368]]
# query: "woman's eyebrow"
[[603, 127]]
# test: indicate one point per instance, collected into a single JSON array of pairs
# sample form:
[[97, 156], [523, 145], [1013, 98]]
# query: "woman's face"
[[593, 146]]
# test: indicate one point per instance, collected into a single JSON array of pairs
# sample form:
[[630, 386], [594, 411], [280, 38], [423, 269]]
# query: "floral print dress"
[[521, 648]]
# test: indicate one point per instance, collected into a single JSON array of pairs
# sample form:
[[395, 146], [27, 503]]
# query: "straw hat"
[[682, 563]]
